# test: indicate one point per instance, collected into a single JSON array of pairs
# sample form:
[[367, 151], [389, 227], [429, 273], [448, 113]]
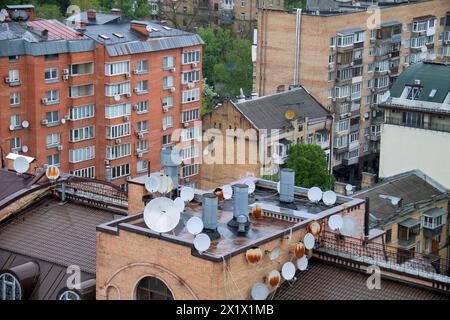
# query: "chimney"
[[116, 12], [339, 188], [287, 182], [367, 219], [368, 180], [91, 14], [209, 216], [140, 27], [170, 167], [44, 35], [240, 206], [281, 88]]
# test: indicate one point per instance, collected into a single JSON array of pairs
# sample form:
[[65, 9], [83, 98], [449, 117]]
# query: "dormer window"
[[413, 93], [10, 288]]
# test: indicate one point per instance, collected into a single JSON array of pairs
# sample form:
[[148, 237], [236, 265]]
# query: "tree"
[[134, 9], [310, 166], [173, 10], [289, 5], [48, 11], [209, 97]]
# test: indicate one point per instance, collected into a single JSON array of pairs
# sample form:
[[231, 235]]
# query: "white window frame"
[[117, 110], [81, 154], [82, 112], [53, 72], [122, 67]]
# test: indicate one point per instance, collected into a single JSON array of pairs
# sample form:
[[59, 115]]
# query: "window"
[[190, 170], [142, 166], [341, 142], [88, 172], [381, 82], [166, 139], [191, 95], [51, 57], [354, 137], [356, 91], [142, 126], [388, 236], [366, 147], [345, 58], [359, 37], [242, 15], [120, 171], [376, 130], [168, 62], [142, 107], [81, 154], [343, 41], [142, 87], [14, 99], [167, 122], [82, 112], [151, 288], [10, 288], [142, 66], [413, 119], [15, 121], [14, 76], [167, 101], [118, 151], [81, 91], [52, 117], [118, 131], [190, 152], [53, 139], [117, 89], [53, 160], [358, 54], [52, 96], [13, 59], [189, 115], [116, 68], [51, 74], [419, 26], [117, 110], [80, 134], [167, 82], [81, 69], [331, 58], [342, 125], [15, 144], [333, 42], [330, 75], [190, 133], [344, 74], [243, 3], [191, 76], [142, 146], [373, 33], [191, 57], [414, 92], [69, 295], [342, 92]]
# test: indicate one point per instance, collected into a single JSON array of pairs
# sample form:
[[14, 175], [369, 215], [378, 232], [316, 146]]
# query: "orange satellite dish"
[[256, 212], [274, 278], [219, 193], [52, 172], [253, 255], [314, 228], [289, 114], [299, 250]]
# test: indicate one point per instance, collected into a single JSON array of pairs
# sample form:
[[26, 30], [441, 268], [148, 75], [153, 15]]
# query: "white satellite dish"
[[175, 156], [329, 197], [335, 222], [202, 242], [21, 165], [187, 193], [163, 183], [205, 152], [2, 17], [161, 215], [314, 194], [349, 226], [25, 149], [275, 253], [4, 12], [25, 124], [179, 204], [251, 186], [11, 127], [302, 263], [194, 226], [288, 270], [63, 120], [152, 184], [117, 97], [349, 188], [309, 241], [149, 28], [227, 191], [260, 291]]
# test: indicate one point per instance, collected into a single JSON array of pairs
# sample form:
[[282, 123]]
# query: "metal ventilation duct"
[[209, 215], [170, 167], [240, 204], [287, 183]]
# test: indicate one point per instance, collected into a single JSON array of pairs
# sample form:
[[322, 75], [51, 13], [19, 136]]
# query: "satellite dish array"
[[315, 194], [159, 182], [347, 226]]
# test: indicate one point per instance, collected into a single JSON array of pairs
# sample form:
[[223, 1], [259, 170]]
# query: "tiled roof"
[[329, 282]]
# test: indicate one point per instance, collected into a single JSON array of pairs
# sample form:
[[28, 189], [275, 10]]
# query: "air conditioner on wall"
[[65, 77], [65, 71], [117, 141], [172, 69], [194, 65], [60, 148], [172, 89]]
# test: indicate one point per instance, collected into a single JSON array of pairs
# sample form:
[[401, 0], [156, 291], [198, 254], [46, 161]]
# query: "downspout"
[[331, 144], [298, 21]]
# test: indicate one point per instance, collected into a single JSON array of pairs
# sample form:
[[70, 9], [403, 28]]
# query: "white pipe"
[[298, 21]]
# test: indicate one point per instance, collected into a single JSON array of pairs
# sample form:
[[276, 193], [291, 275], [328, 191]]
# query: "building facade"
[[347, 59], [100, 102]]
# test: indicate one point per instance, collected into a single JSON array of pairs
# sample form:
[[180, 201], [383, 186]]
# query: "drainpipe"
[[298, 21], [367, 220]]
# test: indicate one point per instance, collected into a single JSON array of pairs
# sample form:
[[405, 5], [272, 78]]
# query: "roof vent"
[[287, 181], [209, 215], [91, 14], [417, 81], [240, 205], [44, 34], [103, 36]]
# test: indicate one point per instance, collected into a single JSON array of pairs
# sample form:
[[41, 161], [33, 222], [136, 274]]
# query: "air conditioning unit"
[[352, 63], [44, 100], [172, 89], [135, 72], [140, 135], [128, 178], [60, 147], [165, 109], [65, 77], [190, 85], [7, 80], [136, 90], [127, 75], [128, 95], [44, 122], [172, 69], [372, 89], [66, 71], [164, 128], [126, 118], [67, 117], [417, 81], [333, 99], [117, 141], [140, 154], [136, 107], [194, 65], [185, 124]]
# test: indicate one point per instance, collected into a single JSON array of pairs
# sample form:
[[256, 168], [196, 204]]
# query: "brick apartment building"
[[107, 95], [348, 65]]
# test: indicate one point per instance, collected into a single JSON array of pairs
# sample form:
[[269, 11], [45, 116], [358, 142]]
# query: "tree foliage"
[[48, 11], [289, 5], [209, 97], [310, 166]]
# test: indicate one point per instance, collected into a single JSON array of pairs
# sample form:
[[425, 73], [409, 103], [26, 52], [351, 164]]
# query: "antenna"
[[227, 191], [288, 271], [194, 225], [253, 255], [52, 172], [21, 164], [260, 291], [335, 222], [274, 278], [329, 198], [309, 241], [314, 194], [349, 226], [202, 242], [302, 263], [161, 215], [187, 193]]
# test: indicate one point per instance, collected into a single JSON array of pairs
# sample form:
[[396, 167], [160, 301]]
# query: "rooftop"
[[100, 18], [11, 182], [268, 112]]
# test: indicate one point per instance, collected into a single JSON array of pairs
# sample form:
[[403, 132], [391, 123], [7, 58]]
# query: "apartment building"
[[241, 15], [416, 129], [101, 101], [347, 58]]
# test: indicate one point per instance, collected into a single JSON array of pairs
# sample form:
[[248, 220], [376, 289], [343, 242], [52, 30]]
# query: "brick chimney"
[[140, 27], [339, 188], [91, 14], [116, 12], [368, 180]]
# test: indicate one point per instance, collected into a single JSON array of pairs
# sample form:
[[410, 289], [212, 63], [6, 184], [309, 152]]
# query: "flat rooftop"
[[278, 220]]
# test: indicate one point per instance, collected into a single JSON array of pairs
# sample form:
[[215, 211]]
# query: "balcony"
[[350, 161], [408, 230], [375, 136], [427, 126], [354, 127]]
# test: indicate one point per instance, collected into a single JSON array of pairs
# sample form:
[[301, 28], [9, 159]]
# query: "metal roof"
[[100, 18], [349, 31], [409, 223], [19, 6], [268, 112], [11, 182], [392, 23], [434, 213]]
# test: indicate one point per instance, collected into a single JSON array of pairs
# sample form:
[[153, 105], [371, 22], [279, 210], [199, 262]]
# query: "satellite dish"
[[299, 250], [349, 188], [25, 124], [275, 253], [251, 186], [335, 222], [179, 204], [274, 278], [21, 164], [288, 270], [187, 194], [260, 291], [205, 152], [194, 225], [329, 197], [227, 191], [152, 184], [253, 255], [309, 241], [202, 242], [25, 149], [314, 194], [11, 127], [117, 97], [163, 183], [175, 156], [349, 226], [289, 114], [161, 215], [314, 228], [63, 120], [2, 17], [149, 28], [278, 186], [52, 172], [302, 263]]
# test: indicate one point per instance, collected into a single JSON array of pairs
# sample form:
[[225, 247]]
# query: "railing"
[[427, 126]]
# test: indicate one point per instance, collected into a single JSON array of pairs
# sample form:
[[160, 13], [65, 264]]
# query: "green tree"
[[289, 5], [134, 9], [48, 11], [310, 166], [209, 97]]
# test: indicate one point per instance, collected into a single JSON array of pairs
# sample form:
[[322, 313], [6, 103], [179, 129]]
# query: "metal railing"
[[425, 126]]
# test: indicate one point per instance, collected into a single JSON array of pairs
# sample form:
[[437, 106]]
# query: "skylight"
[[433, 93], [167, 28], [103, 36], [118, 35]]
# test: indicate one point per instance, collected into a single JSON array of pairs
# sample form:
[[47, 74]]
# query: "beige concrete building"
[[347, 59]]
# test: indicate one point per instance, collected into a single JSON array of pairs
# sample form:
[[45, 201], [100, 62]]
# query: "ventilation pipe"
[[240, 206], [170, 167], [27, 275], [287, 182], [298, 21], [367, 219], [209, 216]]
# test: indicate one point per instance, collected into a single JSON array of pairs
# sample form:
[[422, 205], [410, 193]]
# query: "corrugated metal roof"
[[409, 223], [100, 18], [349, 31], [434, 213]]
